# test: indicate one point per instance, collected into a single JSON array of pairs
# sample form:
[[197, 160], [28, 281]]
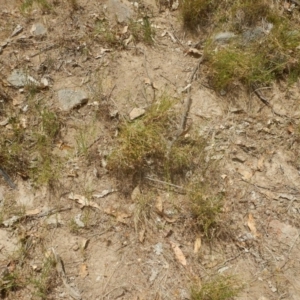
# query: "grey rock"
[[69, 98], [224, 36], [253, 34], [38, 29], [120, 10], [18, 78]]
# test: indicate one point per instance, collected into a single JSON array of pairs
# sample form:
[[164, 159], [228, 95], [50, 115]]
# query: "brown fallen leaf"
[[142, 234], [197, 245], [124, 30], [119, 215], [84, 243], [159, 205], [135, 193], [252, 226], [178, 253], [194, 52], [32, 212], [83, 201], [83, 271], [245, 174], [170, 219], [291, 129], [260, 164]]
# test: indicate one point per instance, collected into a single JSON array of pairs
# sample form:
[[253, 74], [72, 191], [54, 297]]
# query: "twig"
[[44, 50], [266, 102], [7, 179], [110, 277], [50, 212], [151, 81], [166, 183], [182, 127]]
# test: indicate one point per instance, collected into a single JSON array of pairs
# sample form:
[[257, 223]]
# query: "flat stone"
[[136, 113], [119, 9], [69, 98], [18, 78], [38, 29]]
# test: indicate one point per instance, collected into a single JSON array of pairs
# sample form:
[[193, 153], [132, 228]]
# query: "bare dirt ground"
[[122, 252]]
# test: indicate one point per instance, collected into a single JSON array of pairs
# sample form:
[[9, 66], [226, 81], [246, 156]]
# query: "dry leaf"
[[135, 193], [197, 245], [159, 205], [142, 235], [127, 41], [4, 122], [83, 201], [147, 81], [32, 212], [178, 253], [246, 174], [124, 30], [291, 129], [83, 271], [84, 243], [260, 164], [194, 52], [252, 226], [121, 216], [169, 219]]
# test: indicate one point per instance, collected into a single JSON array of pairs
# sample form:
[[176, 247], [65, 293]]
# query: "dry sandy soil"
[[121, 253]]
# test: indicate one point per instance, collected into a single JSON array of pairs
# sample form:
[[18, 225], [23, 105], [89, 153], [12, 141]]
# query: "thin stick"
[[7, 179], [165, 182]]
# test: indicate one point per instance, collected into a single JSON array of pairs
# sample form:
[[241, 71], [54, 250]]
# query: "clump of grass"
[[196, 12], [143, 145], [28, 4], [218, 288], [43, 282], [265, 47], [9, 282], [142, 31], [26, 147], [250, 12], [206, 207], [104, 33], [259, 61]]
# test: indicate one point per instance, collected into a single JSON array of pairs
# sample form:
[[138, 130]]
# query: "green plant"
[[145, 144], [44, 281], [196, 12], [142, 143], [26, 147], [104, 33], [27, 5], [142, 31], [9, 281], [218, 288], [206, 207]]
